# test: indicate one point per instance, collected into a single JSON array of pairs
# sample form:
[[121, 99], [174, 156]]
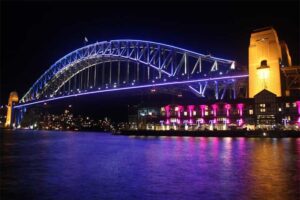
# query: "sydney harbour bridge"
[[111, 66], [118, 65]]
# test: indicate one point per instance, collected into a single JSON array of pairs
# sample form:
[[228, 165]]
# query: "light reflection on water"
[[62, 165]]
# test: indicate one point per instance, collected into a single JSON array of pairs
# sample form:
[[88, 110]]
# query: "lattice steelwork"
[[128, 64], [292, 77]]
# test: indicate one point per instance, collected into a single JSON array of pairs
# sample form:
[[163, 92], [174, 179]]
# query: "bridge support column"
[[110, 72], [127, 73], [75, 83], [216, 90], [80, 82], [223, 92], [234, 90], [95, 76], [13, 98], [103, 74], [18, 116], [138, 72], [69, 89], [88, 78], [119, 68]]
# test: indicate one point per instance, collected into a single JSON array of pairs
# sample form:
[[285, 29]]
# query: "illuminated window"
[[262, 110], [294, 105], [176, 108], [194, 113], [287, 105], [206, 113], [185, 113], [173, 120], [162, 109], [262, 105], [150, 113], [279, 109], [250, 112]]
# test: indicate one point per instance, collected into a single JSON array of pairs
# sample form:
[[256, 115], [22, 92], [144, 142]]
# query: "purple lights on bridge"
[[130, 88], [160, 59]]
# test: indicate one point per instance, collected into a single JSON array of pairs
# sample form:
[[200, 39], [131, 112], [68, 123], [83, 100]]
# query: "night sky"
[[36, 34]]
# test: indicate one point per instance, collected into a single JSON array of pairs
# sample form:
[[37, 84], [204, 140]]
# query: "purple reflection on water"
[[58, 165]]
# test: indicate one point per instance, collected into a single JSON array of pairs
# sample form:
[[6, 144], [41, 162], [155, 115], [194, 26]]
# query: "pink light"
[[215, 107], [202, 107], [240, 107], [298, 105], [191, 121], [180, 109], [215, 121], [167, 121], [178, 121], [227, 121], [167, 109], [227, 107], [190, 109]]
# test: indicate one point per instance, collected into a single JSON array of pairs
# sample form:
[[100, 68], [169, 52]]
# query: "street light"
[[264, 72]]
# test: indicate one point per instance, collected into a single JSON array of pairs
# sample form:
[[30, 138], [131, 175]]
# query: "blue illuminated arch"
[[173, 64]]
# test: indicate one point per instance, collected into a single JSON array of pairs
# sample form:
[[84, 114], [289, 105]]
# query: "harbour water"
[[89, 165]]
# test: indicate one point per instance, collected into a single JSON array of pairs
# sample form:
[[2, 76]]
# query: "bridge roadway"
[[131, 88]]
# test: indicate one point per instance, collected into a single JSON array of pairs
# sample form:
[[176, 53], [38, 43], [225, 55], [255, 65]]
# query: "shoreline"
[[182, 133], [236, 133]]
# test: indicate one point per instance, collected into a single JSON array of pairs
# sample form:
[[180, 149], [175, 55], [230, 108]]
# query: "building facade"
[[264, 111]]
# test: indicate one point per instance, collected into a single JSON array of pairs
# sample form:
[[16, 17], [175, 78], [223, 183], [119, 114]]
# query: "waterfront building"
[[264, 111], [267, 106]]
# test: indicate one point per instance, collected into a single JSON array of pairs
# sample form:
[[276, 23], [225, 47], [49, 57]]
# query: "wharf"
[[230, 133]]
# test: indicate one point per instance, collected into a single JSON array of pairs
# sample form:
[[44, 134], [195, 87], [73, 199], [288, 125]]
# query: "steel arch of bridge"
[[169, 65]]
